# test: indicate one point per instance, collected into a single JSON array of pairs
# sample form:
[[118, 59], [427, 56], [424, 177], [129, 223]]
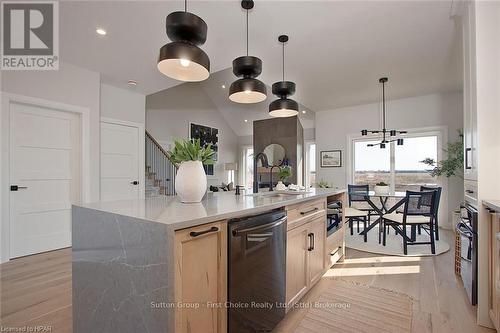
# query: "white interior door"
[[119, 162], [45, 177]]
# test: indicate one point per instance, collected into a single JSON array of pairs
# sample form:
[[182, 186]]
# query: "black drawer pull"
[[199, 233], [469, 191], [309, 211]]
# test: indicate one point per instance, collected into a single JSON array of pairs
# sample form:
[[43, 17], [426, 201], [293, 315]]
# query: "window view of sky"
[[407, 157], [371, 158], [414, 150]]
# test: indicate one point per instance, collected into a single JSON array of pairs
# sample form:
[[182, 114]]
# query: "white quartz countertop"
[[217, 206], [492, 204]]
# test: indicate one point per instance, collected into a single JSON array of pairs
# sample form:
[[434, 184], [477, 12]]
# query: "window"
[[310, 164], [409, 172], [371, 164], [248, 167], [399, 166]]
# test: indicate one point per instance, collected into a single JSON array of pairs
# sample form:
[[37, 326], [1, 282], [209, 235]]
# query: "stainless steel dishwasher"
[[256, 272]]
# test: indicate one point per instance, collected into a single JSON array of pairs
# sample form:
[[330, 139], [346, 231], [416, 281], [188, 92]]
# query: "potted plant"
[[284, 173], [189, 157], [323, 184], [381, 188]]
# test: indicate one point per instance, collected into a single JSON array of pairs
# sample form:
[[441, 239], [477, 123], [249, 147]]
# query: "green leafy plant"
[[285, 173], [323, 184], [190, 150], [382, 184], [453, 165]]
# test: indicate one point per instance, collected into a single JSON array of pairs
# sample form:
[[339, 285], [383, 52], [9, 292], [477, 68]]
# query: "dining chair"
[[438, 190], [357, 198], [419, 210]]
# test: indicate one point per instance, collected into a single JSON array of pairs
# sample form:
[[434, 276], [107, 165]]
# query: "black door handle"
[[16, 187], [467, 150], [311, 241], [199, 233], [135, 182]]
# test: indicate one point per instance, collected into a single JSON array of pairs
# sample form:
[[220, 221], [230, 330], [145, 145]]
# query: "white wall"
[[333, 127], [169, 112], [123, 104], [69, 85]]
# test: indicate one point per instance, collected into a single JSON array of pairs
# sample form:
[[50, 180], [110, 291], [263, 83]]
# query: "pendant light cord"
[[283, 61], [383, 109], [247, 32], [185, 5]]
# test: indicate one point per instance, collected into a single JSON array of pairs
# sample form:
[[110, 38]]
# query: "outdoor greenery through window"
[[399, 166]]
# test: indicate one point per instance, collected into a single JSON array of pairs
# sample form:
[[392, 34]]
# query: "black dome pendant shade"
[[247, 89], [284, 106], [182, 59]]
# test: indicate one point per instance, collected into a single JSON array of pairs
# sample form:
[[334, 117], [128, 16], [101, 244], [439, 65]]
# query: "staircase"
[[160, 172]]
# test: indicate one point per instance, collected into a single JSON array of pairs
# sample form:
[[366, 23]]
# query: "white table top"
[[390, 195]]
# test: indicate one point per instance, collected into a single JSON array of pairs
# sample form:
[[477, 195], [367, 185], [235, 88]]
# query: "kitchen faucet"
[[263, 158], [271, 177]]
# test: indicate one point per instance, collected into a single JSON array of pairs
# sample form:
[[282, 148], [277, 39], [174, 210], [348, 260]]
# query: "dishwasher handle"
[[266, 226]]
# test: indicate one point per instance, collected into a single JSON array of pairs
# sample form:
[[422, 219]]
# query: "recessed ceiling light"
[[223, 86], [246, 120], [303, 111], [101, 31], [132, 83]]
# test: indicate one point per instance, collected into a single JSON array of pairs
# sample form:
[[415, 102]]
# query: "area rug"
[[346, 306], [394, 243]]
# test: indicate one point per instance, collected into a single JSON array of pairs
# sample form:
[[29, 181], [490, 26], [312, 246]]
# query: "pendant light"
[[247, 89], [284, 106], [182, 59], [385, 132]]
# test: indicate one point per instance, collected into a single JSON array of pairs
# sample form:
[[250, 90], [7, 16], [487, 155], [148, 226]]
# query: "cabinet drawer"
[[305, 211], [470, 191], [335, 241]]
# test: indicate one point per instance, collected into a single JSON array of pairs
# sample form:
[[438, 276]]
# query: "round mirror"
[[275, 154]]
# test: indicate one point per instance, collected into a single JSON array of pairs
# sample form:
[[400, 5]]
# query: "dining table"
[[383, 207]]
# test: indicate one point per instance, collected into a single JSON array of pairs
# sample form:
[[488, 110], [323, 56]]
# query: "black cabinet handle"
[[16, 187], [311, 241], [135, 182], [309, 211], [469, 191], [199, 233], [467, 150]]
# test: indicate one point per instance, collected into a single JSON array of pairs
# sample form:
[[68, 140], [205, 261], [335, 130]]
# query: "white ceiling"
[[336, 53]]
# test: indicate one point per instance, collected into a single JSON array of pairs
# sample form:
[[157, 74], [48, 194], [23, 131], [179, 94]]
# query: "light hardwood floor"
[[36, 290]]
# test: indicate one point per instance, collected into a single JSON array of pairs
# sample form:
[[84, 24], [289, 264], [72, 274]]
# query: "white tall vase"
[[191, 181]]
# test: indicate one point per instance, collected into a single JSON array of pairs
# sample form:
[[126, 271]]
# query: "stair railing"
[[158, 164]]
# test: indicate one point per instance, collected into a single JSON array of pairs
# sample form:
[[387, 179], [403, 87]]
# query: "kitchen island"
[[158, 265]]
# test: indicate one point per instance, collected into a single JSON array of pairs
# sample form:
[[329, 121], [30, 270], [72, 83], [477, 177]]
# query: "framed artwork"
[[206, 135], [331, 158]]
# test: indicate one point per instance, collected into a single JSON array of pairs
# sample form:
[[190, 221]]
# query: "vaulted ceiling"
[[336, 53]]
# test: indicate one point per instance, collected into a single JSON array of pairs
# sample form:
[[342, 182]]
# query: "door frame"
[[141, 154], [5, 122]]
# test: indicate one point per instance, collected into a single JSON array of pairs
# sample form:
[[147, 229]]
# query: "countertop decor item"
[[284, 173], [247, 89], [191, 180], [182, 59], [381, 188], [385, 132], [284, 106]]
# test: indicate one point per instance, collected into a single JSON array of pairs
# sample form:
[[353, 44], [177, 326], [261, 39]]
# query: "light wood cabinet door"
[[495, 270], [201, 277], [317, 251], [297, 277]]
